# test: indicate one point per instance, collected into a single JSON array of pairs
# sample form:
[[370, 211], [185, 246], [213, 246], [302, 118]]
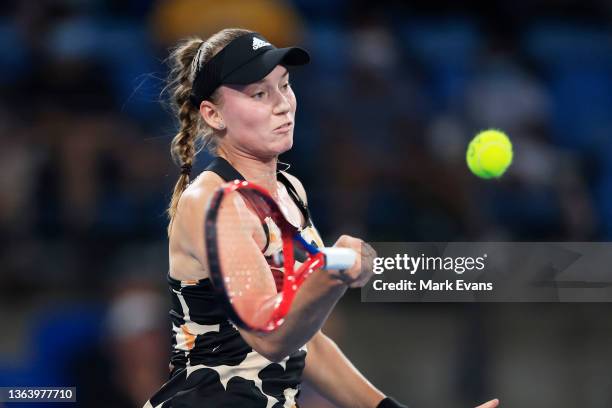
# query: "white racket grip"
[[339, 258]]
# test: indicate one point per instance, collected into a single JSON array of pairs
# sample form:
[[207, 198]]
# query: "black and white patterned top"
[[213, 365]]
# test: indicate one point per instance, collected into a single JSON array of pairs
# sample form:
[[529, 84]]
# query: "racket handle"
[[339, 258]]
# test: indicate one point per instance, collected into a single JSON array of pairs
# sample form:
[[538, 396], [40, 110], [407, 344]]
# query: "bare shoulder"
[[298, 186], [187, 251], [198, 193]]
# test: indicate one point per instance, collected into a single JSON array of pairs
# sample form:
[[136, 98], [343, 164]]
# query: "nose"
[[282, 104]]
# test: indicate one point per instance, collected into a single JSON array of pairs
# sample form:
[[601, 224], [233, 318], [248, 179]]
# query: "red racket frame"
[[292, 279]]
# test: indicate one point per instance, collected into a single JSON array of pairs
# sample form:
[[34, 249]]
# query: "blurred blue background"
[[385, 111]]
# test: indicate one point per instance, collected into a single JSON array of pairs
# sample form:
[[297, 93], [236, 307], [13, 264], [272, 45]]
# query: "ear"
[[210, 113]]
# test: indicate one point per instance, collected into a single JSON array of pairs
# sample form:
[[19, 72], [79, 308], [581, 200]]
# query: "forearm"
[[311, 307], [332, 375]]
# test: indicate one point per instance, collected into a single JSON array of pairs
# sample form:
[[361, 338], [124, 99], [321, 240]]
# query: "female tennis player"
[[232, 95]]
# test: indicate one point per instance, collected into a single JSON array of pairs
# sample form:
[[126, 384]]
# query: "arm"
[[314, 301], [313, 304], [332, 375]]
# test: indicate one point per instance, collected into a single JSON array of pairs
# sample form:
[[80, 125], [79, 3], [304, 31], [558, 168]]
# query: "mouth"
[[285, 127]]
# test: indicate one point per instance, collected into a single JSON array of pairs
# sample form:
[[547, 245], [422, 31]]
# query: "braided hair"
[[194, 133]]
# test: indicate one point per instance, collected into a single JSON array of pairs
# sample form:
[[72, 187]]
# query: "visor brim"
[[260, 66]]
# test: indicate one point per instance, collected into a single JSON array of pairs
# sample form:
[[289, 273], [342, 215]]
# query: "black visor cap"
[[247, 59], [260, 66]]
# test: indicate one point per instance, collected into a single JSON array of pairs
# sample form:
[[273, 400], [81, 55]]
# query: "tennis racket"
[[247, 239]]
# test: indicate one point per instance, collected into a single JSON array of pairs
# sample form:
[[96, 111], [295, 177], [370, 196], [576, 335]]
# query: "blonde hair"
[[194, 133]]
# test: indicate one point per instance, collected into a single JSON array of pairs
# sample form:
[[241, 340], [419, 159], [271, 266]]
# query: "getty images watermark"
[[413, 264], [491, 272]]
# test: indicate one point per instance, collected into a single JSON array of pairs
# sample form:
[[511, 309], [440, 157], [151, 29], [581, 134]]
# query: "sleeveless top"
[[213, 365]]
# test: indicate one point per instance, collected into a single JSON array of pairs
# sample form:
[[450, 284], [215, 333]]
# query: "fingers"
[[367, 261], [361, 272], [367, 264], [491, 404], [346, 241]]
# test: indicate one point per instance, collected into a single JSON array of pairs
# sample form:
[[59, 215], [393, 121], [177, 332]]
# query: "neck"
[[259, 171]]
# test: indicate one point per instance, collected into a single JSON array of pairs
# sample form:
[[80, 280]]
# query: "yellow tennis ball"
[[489, 154]]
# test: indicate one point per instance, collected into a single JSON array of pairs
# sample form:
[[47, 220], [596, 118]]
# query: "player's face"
[[260, 117]]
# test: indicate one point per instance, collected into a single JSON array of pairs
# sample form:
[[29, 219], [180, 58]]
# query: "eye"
[[258, 95], [287, 86]]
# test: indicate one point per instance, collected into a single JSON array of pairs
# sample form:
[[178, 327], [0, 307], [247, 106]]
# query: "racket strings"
[[245, 226], [251, 230]]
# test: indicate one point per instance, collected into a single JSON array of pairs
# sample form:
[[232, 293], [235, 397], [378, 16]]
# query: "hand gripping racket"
[[242, 222]]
